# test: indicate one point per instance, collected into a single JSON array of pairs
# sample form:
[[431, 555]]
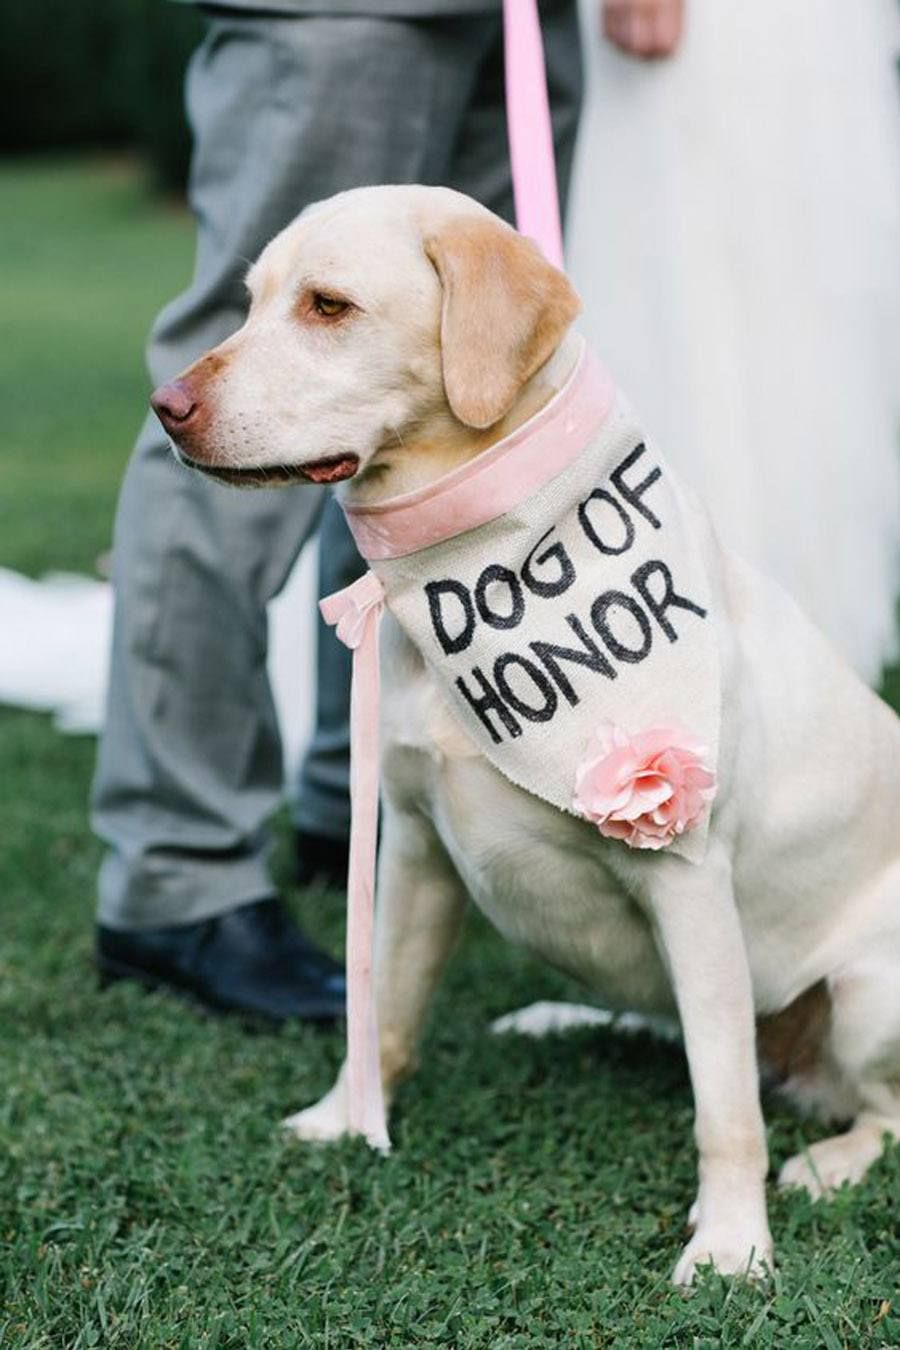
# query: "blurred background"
[[103, 74], [95, 236]]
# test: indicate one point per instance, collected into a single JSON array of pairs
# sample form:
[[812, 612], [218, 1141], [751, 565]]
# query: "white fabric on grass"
[[56, 639]]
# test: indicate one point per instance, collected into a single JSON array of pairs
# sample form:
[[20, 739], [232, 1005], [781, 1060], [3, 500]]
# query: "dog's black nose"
[[173, 404]]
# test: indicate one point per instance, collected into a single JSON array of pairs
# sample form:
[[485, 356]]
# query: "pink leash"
[[356, 611], [530, 130]]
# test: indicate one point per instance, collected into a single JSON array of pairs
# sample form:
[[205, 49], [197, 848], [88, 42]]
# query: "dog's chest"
[[538, 874]]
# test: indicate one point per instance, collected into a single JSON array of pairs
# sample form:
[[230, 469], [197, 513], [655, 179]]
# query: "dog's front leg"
[[700, 937], [421, 902]]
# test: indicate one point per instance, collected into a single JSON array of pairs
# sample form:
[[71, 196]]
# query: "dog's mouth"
[[329, 469]]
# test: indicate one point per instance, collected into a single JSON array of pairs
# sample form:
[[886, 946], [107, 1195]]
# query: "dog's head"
[[379, 317]]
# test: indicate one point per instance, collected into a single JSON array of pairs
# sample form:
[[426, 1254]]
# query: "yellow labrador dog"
[[394, 334]]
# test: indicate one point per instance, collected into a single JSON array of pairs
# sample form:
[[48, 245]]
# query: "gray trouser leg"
[[284, 111], [479, 166]]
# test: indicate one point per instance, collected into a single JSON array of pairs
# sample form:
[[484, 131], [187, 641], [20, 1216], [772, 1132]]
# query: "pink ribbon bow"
[[348, 611], [356, 614]]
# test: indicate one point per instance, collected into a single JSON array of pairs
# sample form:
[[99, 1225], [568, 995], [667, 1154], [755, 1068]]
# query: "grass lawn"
[[537, 1192]]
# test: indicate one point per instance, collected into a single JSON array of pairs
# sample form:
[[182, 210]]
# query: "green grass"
[[537, 1192], [86, 264]]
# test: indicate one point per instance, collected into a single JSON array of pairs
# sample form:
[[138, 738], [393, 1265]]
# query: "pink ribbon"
[[356, 614], [356, 611]]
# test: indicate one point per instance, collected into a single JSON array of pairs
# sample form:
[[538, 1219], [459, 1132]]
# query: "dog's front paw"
[[825, 1166], [324, 1122], [730, 1252]]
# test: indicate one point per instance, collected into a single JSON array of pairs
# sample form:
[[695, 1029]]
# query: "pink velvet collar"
[[501, 477]]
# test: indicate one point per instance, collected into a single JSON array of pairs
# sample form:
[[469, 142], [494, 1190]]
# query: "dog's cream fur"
[[456, 332]]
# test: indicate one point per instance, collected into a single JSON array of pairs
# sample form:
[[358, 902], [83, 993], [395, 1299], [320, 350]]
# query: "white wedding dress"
[[735, 236]]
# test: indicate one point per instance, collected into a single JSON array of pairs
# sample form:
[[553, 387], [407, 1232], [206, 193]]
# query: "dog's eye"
[[328, 305]]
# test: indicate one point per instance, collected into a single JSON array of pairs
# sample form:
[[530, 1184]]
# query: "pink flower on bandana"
[[644, 789]]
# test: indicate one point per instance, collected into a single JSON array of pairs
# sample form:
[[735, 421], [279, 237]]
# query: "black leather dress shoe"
[[321, 862], [253, 960]]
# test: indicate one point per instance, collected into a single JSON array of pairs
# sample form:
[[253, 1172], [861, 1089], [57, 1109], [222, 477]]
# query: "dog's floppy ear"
[[505, 310]]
